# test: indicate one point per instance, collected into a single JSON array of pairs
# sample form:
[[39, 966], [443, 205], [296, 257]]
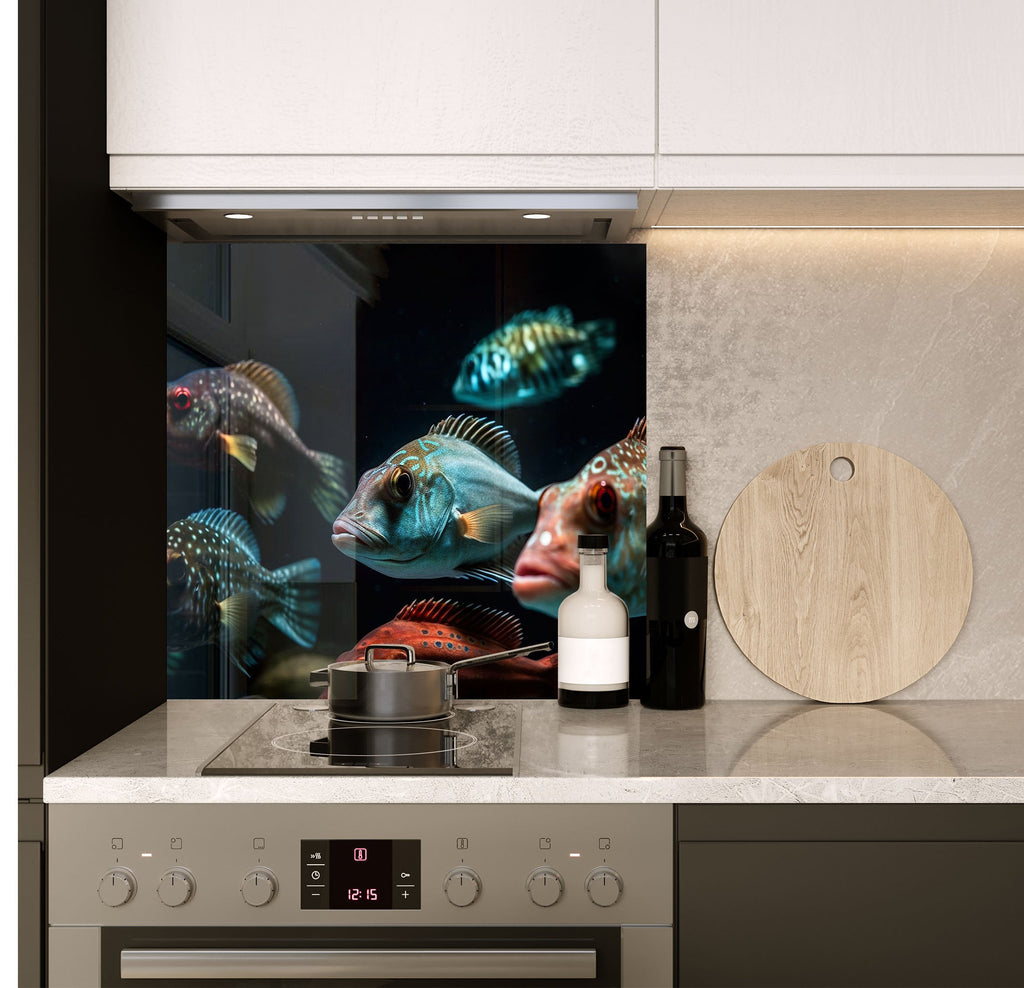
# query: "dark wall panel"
[[103, 378]]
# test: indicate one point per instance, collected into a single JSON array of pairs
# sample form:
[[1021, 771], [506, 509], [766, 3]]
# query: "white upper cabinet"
[[565, 94], [841, 77], [381, 77], [861, 93]]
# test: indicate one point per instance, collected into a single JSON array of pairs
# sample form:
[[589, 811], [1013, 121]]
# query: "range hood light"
[[536, 216], [238, 216]]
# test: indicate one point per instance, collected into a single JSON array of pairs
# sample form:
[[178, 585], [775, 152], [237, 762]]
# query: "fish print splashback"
[[363, 438]]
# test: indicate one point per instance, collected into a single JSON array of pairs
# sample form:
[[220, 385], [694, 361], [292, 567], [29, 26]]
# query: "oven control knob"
[[545, 886], [176, 887], [259, 886], [462, 886], [604, 886], [117, 887]]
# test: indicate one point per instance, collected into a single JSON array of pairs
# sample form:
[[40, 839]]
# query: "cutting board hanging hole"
[[841, 468]]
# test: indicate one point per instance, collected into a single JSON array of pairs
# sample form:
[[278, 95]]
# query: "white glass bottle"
[[593, 636]]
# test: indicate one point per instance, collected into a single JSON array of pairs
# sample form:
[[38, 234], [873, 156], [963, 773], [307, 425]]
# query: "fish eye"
[[175, 570], [602, 503], [400, 483], [181, 399]]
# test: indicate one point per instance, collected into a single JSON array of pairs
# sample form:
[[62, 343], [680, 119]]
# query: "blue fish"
[[534, 357], [449, 504], [217, 588]]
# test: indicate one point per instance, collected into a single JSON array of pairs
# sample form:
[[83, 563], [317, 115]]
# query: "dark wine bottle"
[[677, 595]]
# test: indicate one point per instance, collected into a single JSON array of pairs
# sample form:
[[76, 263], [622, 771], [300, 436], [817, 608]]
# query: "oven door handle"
[[211, 964]]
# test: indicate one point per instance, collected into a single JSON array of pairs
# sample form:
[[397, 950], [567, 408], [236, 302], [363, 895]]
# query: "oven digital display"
[[360, 874]]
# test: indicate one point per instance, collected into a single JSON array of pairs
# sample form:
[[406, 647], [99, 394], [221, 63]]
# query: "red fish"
[[607, 497], [448, 631]]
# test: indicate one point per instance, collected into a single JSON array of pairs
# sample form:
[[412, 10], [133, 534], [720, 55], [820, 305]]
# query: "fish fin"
[[331, 492], [483, 572], [268, 505], [500, 626], [267, 497], [502, 570], [238, 614], [486, 435], [242, 448], [560, 315], [273, 384], [297, 610], [232, 526], [639, 430], [256, 647], [487, 524], [601, 334]]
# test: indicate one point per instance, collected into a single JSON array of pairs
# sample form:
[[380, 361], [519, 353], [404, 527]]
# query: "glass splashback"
[[396, 444]]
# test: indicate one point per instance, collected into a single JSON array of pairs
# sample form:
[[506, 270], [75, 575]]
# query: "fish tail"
[[601, 336], [330, 489], [296, 611]]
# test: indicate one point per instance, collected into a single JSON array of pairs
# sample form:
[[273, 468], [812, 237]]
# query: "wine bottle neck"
[[672, 482], [672, 504]]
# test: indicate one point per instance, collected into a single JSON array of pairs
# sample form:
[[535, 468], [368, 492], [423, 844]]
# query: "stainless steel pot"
[[393, 690]]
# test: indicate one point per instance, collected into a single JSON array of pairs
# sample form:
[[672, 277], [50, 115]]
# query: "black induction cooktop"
[[298, 737]]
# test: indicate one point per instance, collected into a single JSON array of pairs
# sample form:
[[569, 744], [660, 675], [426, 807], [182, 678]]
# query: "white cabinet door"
[[841, 77], [381, 77]]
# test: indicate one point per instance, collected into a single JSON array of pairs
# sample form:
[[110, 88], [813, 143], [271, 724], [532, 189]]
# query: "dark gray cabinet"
[[838, 896]]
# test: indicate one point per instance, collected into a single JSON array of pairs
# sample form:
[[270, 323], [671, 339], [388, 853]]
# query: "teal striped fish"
[[533, 358]]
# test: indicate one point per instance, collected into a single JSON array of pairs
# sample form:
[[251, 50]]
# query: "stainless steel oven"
[[316, 894]]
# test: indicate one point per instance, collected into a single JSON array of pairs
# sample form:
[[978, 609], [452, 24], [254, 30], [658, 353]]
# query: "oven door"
[[392, 956]]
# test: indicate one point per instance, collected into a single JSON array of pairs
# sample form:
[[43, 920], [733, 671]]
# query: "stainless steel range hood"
[[393, 217]]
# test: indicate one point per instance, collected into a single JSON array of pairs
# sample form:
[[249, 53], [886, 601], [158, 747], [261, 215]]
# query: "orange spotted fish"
[[444, 630], [607, 497], [248, 410]]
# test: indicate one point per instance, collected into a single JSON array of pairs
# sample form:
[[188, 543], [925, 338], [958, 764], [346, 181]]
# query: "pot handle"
[[410, 654], [542, 648], [319, 677]]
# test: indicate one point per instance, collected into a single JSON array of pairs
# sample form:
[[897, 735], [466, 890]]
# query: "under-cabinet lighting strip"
[[833, 226]]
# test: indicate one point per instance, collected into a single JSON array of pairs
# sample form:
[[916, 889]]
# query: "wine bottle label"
[[593, 663], [677, 587]]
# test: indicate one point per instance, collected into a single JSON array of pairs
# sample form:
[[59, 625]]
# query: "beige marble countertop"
[[761, 751]]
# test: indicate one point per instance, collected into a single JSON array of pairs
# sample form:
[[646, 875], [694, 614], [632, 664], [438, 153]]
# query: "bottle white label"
[[593, 663]]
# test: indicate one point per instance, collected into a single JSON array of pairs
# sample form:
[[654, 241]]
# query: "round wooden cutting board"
[[843, 590]]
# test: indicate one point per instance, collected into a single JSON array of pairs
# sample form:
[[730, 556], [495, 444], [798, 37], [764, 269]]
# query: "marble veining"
[[730, 751]]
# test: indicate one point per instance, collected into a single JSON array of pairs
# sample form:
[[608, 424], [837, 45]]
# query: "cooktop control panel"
[[227, 864]]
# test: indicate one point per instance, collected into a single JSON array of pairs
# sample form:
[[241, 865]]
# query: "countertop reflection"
[[757, 738]]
